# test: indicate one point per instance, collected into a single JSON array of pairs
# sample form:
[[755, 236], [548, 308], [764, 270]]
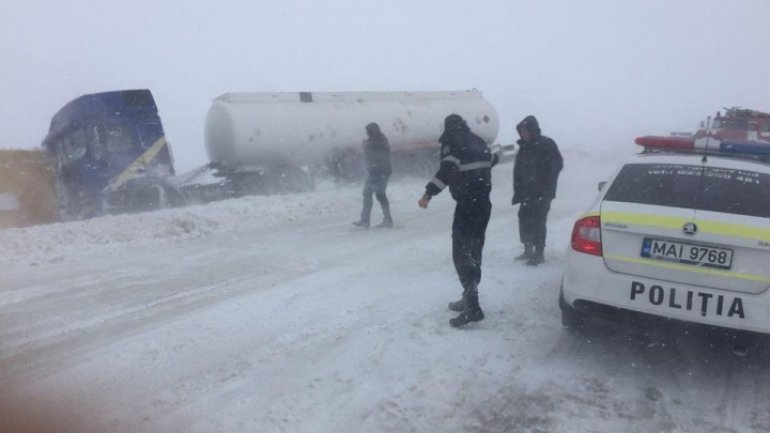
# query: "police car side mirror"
[[602, 184]]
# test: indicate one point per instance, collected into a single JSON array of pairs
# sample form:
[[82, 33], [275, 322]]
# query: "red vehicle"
[[738, 124], [737, 129]]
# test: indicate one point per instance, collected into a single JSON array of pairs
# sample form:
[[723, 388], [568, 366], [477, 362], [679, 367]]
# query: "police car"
[[680, 232]]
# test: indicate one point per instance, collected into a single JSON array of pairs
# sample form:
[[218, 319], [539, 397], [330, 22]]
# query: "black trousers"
[[533, 214], [376, 184], [468, 232]]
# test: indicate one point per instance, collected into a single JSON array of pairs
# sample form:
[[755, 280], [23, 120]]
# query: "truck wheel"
[[421, 163], [243, 184], [430, 162], [350, 166], [291, 178], [156, 196]]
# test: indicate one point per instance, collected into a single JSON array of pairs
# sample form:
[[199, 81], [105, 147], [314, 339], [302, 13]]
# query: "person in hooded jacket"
[[535, 173], [466, 168], [377, 157]]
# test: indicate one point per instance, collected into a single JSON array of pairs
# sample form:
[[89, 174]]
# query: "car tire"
[[571, 318]]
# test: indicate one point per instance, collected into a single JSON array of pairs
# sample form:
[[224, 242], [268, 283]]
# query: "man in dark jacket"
[[377, 156], [535, 174], [466, 165]]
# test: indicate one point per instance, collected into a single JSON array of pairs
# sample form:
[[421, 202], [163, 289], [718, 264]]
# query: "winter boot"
[[527, 254], [537, 257], [472, 311], [458, 306], [361, 223], [387, 220]]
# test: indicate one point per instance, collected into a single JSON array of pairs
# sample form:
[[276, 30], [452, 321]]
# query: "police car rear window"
[[734, 191]]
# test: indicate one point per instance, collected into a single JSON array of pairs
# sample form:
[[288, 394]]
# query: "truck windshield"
[[73, 146], [734, 191], [115, 138], [730, 124]]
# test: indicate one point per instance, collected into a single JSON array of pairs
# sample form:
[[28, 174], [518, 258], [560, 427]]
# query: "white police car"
[[682, 235]]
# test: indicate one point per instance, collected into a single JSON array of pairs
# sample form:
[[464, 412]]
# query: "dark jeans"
[[376, 184], [468, 232], [533, 214]]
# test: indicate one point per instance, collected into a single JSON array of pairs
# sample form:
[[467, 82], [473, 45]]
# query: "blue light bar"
[[745, 147]]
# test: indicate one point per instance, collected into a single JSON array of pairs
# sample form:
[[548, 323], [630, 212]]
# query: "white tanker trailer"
[[254, 139]]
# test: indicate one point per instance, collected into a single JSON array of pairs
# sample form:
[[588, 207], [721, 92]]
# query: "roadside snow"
[[274, 314], [75, 241]]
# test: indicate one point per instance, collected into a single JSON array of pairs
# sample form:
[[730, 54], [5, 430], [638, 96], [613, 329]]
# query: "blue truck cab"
[[111, 155]]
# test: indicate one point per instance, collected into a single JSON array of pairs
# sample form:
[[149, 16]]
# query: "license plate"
[[680, 252]]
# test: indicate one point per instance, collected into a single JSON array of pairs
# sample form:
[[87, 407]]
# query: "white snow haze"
[[594, 72], [273, 313]]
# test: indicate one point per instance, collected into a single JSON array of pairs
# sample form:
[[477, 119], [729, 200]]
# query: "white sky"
[[594, 72]]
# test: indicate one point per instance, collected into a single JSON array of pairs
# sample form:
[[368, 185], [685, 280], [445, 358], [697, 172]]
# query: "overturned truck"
[[104, 153], [107, 153]]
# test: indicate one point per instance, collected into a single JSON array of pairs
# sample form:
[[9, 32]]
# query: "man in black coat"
[[466, 167], [377, 156], [535, 174]]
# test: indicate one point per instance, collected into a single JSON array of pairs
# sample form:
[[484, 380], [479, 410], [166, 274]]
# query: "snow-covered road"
[[273, 314]]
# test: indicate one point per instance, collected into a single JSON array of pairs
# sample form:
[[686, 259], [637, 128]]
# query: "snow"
[[274, 314]]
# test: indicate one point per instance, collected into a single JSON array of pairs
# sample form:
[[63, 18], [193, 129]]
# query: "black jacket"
[[537, 165], [466, 163], [376, 151]]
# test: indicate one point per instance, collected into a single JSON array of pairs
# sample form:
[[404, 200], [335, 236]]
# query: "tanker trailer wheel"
[[249, 183], [290, 178], [345, 165], [429, 162], [154, 196]]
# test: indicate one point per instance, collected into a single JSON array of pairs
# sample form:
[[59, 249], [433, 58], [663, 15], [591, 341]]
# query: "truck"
[[107, 153], [737, 130], [104, 153], [738, 124]]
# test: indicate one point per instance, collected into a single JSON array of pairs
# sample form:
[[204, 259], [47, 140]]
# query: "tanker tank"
[[258, 132]]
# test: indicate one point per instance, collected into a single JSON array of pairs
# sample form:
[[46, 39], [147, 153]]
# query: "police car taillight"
[[586, 236]]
